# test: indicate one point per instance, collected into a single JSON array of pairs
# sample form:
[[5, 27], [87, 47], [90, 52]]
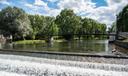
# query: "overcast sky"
[[102, 10]]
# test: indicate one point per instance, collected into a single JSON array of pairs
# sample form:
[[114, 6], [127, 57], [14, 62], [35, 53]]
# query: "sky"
[[104, 11]]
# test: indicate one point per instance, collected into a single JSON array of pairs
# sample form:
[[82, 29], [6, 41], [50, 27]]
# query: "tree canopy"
[[14, 21], [68, 23], [37, 23], [122, 20]]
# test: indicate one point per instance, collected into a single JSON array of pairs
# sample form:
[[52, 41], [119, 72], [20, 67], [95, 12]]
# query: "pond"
[[77, 46]]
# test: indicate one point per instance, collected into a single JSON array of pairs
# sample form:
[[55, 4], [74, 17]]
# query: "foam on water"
[[3, 73], [32, 66]]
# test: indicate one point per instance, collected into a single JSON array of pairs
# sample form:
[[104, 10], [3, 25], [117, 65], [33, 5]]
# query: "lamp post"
[[117, 29]]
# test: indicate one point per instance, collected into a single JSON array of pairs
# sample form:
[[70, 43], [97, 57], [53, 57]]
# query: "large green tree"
[[37, 23], [43, 26], [68, 23], [122, 20], [49, 28], [14, 21], [90, 26]]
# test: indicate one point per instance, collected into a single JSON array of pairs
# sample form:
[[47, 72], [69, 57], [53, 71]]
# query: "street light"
[[117, 30]]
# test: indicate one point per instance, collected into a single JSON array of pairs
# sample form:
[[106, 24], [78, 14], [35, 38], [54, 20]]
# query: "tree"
[[37, 23], [112, 28], [122, 20], [50, 28], [102, 28], [68, 23], [90, 26], [15, 22]]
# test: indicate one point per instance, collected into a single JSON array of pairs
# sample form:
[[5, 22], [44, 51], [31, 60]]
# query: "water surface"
[[77, 46]]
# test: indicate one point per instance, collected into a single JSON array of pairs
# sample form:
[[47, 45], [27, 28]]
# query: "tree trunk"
[[79, 37], [49, 39]]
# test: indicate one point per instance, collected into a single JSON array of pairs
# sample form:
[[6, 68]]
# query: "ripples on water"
[[82, 46], [12, 65], [70, 46]]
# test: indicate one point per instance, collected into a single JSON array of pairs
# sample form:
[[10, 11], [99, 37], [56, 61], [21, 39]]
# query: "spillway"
[[16, 65]]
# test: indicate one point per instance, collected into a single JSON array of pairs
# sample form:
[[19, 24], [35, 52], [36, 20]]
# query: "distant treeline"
[[16, 22]]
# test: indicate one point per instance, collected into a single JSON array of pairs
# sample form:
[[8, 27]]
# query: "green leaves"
[[43, 26], [68, 22], [15, 22], [92, 26], [50, 28], [122, 20], [37, 23]]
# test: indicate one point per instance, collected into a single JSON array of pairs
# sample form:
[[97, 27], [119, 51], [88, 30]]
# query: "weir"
[[33, 66], [85, 57]]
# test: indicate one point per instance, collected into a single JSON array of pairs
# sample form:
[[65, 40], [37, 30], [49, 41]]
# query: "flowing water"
[[62, 65], [15, 65]]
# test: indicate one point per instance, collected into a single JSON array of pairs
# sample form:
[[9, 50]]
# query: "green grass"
[[29, 42], [35, 41], [60, 40]]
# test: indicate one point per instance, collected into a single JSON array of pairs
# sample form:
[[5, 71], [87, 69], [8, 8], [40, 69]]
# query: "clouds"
[[5, 2], [110, 11], [85, 8], [52, 0], [40, 3], [77, 5]]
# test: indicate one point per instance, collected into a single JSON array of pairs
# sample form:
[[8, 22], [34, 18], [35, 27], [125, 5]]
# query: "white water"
[[3, 73], [14, 65]]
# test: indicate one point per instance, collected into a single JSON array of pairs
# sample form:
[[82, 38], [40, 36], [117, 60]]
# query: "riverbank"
[[34, 41], [121, 44], [44, 41], [29, 41]]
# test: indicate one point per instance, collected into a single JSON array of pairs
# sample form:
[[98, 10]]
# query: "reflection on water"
[[83, 46]]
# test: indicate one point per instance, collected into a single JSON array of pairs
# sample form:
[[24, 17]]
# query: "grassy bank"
[[35, 41], [29, 41]]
